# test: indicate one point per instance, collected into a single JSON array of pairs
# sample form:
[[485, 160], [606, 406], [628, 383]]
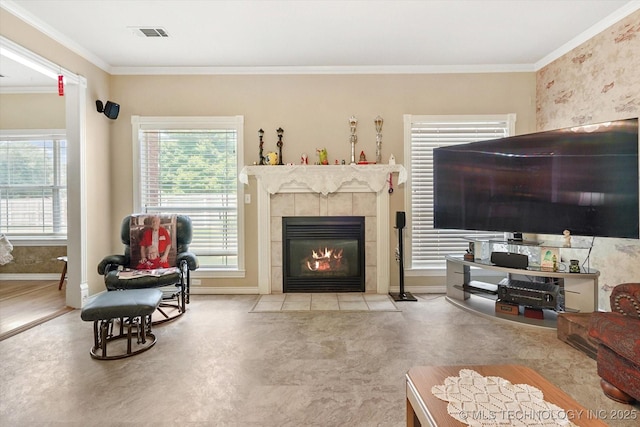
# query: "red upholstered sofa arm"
[[619, 333], [625, 299]]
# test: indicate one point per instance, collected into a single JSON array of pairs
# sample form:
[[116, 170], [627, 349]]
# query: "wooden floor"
[[25, 304]]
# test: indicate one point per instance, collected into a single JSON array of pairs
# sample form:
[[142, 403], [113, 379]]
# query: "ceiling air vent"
[[150, 32]]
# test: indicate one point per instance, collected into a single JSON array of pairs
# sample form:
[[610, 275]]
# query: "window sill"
[[37, 241]]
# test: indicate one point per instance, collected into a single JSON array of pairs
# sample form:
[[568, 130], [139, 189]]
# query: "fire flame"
[[324, 260]]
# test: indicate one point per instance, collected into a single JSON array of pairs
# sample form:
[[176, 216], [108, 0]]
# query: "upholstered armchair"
[[618, 337], [162, 261]]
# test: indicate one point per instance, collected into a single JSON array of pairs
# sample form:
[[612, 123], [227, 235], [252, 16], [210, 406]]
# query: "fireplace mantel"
[[322, 179]]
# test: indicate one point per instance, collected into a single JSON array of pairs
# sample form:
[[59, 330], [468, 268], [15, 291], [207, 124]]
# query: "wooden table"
[[424, 409]]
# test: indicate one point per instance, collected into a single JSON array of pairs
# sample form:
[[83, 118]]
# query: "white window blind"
[[33, 183], [189, 166], [428, 246]]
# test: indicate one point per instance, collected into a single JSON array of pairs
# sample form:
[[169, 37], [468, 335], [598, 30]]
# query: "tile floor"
[[324, 302]]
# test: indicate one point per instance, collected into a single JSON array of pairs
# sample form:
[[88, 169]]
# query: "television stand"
[[579, 290]]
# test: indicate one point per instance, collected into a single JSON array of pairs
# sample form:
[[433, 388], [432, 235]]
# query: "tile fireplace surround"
[[332, 190]]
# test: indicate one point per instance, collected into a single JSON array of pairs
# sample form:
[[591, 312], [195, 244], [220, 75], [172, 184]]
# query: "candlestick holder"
[[280, 131], [353, 139], [378, 122], [261, 155]]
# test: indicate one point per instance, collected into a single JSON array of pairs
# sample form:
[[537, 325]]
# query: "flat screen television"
[[582, 179]]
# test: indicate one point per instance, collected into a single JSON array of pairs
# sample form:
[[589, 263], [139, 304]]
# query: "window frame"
[[408, 122], [45, 239], [196, 122]]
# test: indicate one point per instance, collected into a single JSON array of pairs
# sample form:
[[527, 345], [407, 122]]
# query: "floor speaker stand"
[[402, 295]]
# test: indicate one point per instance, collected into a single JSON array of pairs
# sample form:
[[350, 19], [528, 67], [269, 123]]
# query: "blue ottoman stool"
[[134, 308]]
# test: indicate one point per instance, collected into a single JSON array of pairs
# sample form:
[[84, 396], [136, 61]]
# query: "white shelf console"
[[580, 290]]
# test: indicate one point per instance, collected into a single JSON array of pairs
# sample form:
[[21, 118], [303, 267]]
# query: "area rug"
[[301, 302]]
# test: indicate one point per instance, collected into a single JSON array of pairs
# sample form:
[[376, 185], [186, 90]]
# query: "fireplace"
[[323, 254]]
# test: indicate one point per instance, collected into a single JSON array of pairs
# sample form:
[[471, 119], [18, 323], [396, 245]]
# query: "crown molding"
[[615, 17], [13, 8], [372, 69]]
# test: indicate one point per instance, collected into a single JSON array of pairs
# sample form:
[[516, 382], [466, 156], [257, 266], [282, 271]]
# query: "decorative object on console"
[[378, 122], [567, 238], [261, 154], [279, 144], [392, 159], [549, 258], [574, 266], [353, 139]]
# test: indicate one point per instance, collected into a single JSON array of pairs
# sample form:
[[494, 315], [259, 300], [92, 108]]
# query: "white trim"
[[235, 123], [13, 8], [596, 29], [37, 62], [328, 70], [39, 241], [33, 132], [28, 90], [30, 276]]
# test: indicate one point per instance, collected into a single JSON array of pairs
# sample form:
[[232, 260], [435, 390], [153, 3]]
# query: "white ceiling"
[[321, 35]]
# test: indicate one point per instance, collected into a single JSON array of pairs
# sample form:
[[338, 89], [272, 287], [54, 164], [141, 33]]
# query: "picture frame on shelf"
[[549, 258]]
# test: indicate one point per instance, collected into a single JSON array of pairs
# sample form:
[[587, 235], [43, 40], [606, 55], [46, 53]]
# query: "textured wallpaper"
[[596, 82]]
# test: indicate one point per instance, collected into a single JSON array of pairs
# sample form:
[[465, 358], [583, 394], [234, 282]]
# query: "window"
[[189, 165], [427, 245], [33, 184]]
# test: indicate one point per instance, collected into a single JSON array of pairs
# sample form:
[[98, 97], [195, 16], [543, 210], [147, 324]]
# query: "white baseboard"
[[205, 290], [421, 289], [30, 276]]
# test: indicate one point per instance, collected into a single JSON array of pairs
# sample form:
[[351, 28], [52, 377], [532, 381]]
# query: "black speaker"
[[510, 260], [110, 109], [401, 220]]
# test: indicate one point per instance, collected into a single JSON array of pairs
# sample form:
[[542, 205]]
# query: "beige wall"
[[314, 111], [32, 111], [596, 82], [99, 228]]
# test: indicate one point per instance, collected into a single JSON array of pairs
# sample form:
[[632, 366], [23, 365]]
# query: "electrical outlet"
[[247, 198]]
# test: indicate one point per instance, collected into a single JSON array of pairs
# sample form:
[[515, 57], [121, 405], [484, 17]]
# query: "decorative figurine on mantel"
[[353, 139], [363, 158], [261, 155], [279, 144], [304, 159], [378, 122], [323, 159]]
